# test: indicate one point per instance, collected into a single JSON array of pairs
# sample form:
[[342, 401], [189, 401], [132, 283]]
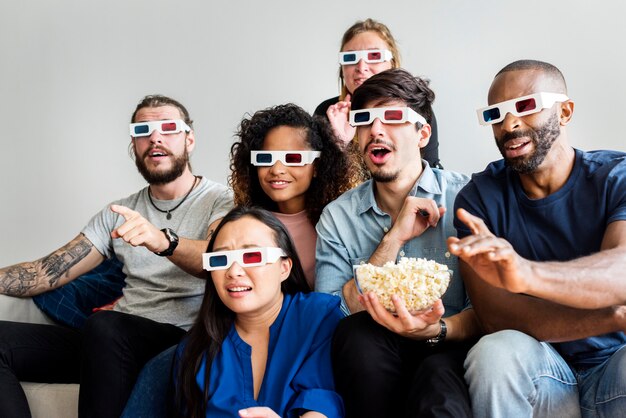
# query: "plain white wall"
[[71, 73]]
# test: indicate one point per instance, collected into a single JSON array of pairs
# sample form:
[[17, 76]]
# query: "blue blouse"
[[298, 374]]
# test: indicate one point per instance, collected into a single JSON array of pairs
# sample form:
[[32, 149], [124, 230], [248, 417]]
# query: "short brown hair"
[[396, 84]]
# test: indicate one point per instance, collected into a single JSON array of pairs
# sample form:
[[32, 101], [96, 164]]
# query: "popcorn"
[[419, 282]]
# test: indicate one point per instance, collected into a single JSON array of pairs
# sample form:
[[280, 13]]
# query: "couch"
[[70, 306]]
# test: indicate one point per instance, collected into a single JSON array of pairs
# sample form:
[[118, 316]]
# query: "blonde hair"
[[369, 25]]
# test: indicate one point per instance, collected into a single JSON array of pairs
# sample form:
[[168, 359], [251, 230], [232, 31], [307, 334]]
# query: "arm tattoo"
[[60, 262], [20, 279]]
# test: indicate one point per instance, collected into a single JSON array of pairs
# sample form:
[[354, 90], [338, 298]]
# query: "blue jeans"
[[510, 375], [151, 395]]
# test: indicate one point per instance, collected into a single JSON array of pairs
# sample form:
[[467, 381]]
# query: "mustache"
[[378, 141], [163, 150], [527, 133]]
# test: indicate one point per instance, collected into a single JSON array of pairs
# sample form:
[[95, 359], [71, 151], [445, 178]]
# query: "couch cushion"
[[72, 303], [52, 400]]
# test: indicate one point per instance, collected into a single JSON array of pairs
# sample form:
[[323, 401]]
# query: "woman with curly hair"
[[289, 163]]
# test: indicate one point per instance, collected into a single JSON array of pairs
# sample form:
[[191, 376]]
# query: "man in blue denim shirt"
[[388, 365]]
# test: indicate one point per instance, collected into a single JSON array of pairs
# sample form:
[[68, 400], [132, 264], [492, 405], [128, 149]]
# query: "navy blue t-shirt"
[[565, 225]]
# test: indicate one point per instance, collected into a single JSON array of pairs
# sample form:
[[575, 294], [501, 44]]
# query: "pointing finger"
[[475, 224], [124, 211]]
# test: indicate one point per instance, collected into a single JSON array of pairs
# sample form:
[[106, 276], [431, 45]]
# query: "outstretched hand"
[[137, 231], [419, 325], [492, 258], [338, 116]]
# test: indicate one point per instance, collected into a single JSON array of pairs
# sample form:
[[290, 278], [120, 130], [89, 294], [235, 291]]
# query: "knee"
[[499, 354], [104, 327], [356, 336]]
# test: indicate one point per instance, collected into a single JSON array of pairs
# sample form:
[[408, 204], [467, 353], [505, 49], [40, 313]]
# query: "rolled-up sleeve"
[[332, 267]]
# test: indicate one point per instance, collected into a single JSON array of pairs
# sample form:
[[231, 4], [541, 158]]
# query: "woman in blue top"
[[260, 346]]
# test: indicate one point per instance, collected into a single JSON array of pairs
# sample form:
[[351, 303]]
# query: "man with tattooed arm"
[[160, 297]]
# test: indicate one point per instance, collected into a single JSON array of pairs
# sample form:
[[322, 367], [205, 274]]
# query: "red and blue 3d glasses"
[[386, 115], [370, 56], [287, 158], [248, 257], [520, 106], [164, 127]]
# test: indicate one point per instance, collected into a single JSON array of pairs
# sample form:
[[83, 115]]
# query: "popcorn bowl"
[[419, 282]]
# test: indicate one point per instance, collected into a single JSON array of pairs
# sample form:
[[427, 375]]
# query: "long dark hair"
[[215, 320], [334, 172]]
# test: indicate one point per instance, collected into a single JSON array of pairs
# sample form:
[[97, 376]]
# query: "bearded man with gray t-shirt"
[[160, 298]]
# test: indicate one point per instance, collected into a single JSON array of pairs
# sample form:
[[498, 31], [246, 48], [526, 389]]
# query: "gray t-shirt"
[[155, 287]]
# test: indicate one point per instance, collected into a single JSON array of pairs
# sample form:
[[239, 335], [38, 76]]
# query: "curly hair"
[[334, 172]]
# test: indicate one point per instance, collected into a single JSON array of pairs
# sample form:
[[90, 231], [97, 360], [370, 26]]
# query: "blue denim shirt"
[[351, 228]]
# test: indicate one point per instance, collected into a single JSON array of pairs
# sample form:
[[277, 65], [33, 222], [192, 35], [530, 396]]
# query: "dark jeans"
[[153, 392], [105, 357], [381, 374]]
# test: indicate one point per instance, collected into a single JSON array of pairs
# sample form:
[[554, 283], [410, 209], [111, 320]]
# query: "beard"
[[382, 177], [158, 177], [542, 139]]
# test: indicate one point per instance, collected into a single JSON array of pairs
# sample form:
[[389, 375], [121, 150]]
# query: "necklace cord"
[[168, 212]]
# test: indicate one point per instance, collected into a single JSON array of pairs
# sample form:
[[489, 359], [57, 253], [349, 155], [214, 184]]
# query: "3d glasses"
[[288, 158], [520, 106], [371, 56], [249, 257], [386, 115], [164, 127]]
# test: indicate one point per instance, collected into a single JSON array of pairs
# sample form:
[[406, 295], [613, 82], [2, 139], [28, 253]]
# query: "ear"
[[424, 135], [190, 141], [131, 149], [567, 111], [285, 268]]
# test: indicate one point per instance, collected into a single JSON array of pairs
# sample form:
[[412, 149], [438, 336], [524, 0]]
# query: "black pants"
[[380, 374], [105, 357]]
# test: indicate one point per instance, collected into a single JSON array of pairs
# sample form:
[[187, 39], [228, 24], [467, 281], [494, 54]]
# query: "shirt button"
[[401, 253], [386, 229], [447, 254]]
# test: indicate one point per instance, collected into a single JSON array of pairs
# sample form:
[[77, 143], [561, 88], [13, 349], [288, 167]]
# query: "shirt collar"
[[427, 182]]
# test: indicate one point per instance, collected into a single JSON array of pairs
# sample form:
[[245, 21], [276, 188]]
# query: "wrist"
[[172, 243], [534, 274], [392, 240], [440, 336]]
